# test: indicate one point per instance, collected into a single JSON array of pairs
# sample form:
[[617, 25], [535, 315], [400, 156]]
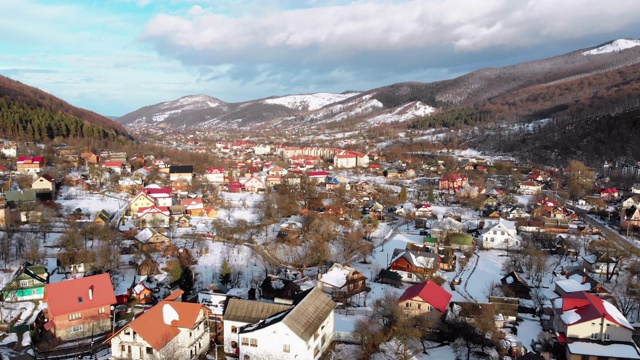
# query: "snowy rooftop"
[[622, 351]]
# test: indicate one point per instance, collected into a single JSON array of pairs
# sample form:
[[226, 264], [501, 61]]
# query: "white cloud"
[[387, 26]]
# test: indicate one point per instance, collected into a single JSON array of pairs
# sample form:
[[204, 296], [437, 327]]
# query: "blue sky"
[[114, 57]]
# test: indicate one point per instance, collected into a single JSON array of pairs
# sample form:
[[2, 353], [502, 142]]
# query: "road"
[[606, 231]]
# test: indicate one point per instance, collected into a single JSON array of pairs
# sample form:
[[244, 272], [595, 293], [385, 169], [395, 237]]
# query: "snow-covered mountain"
[[397, 103], [617, 45], [308, 102]]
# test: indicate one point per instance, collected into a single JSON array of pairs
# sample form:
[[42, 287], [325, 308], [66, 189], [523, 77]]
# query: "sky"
[[116, 56]]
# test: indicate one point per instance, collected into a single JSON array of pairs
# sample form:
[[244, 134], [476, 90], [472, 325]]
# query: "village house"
[[254, 185], [529, 188], [502, 235], [193, 206], [162, 195], [90, 158], [215, 175], [45, 182], [80, 307], [452, 182], [514, 285], [27, 283], [9, 150], [342, 282], [152, 240], [590, 327], [115, 166], [153, 216], [426, 299], [30, 164], [169, 330], [302, 329], [578, 280], [141, 200], [181, 172], [414, 266]]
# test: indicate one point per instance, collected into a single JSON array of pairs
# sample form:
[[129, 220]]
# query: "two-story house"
[[80, 307], [414, 266], [215, 175], [592, 328], [342, 282], [181, 172], [169, 330], [426, 299], [302, 330], [30, 164], [27, 283], [502, 235], [141, 200]]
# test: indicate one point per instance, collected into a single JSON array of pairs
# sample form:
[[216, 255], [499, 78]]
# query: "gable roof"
[[579, 307], [250, 312], [307, 316], [430, 292], [419, 259], [73, 296], [153, 325]]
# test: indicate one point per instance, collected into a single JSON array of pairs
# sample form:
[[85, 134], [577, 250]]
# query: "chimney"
[[91, 292], [584, 279]]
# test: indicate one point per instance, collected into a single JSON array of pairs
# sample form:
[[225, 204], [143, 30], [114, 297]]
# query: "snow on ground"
[[617, 45], [402, 113], [90, 203], [309, 101]]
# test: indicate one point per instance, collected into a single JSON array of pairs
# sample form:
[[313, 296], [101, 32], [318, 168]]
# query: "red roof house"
[[169, 330], [80, 307], [425, 299]]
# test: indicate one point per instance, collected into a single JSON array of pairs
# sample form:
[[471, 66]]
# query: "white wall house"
[[303, 330], [169, 330], [502, 235]]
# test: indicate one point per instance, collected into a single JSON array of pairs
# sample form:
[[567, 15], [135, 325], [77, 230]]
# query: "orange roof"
[[151, 325], [72, 296]]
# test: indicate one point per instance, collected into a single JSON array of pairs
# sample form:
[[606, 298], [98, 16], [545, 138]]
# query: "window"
[[75, 316], [234, 330], [429, 308], [76, 329], [407, 304], [149, 350], [244, 341], [101, 310], [419, 306], [594, 336], [606, 337], [253, 342], [24, 282], [127, 332], [286, 348]]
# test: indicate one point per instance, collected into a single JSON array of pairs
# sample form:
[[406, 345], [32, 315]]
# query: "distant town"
[[274, 251]]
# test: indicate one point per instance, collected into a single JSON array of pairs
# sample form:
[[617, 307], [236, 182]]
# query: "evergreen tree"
[[402, 196], [225, 273]]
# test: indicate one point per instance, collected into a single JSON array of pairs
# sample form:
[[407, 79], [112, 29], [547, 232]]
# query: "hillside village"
[[299, 252]]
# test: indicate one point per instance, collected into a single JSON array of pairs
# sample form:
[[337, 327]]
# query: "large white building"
[[302, 330]]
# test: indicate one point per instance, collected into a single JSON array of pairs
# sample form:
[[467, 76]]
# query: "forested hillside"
[[29, 114], [591, 140]]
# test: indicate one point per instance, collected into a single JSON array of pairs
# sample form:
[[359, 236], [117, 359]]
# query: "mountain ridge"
[[476, 90]]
